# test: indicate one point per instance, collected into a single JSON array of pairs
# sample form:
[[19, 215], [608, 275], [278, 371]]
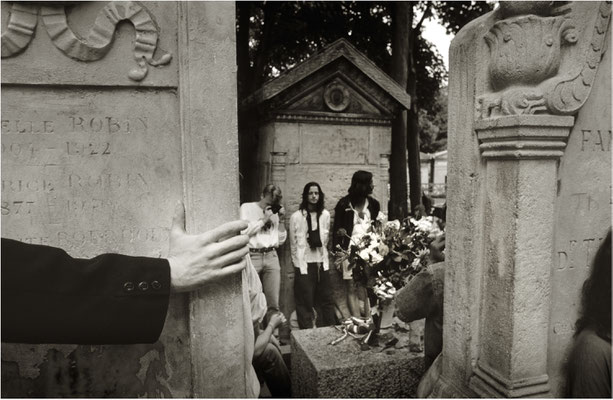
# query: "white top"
[[300, 249], [257, 300], [259, 237], [361, 225], [254, 309]]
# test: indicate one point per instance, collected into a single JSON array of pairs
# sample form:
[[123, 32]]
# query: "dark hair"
[[361, 185], [596, 294], [319, 207]]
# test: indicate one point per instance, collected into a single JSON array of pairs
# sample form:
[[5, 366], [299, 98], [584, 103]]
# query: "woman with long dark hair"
[[309, 227], [589, 365], [352, 216]]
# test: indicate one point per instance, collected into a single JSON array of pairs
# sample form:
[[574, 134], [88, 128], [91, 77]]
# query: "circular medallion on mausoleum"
[[336, 97]]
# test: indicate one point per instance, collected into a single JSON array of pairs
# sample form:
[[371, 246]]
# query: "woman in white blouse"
[[309, 229]]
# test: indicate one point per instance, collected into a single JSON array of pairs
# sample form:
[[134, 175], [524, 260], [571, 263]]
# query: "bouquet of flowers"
[[389, 254]]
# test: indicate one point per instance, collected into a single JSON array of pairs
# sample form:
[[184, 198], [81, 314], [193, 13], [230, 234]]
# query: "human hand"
[[276, 320], [273, 218], [198, 259], [268, 214]]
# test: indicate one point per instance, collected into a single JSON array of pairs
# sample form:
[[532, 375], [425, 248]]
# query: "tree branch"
[[426, 14]]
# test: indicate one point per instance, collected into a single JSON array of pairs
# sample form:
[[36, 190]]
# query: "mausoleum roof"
[[338, 63]]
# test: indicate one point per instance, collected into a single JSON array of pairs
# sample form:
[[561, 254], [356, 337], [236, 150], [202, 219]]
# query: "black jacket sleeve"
[[51, 297], [338, 224]]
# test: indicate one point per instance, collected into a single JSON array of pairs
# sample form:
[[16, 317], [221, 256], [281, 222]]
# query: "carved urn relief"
[[526, 49], [526, 54]]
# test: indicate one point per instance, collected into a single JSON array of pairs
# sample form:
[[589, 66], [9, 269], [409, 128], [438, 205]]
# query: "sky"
[[434, 32]]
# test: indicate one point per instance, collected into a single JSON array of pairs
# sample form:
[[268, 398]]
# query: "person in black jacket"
[[50, 297], [352, 215]]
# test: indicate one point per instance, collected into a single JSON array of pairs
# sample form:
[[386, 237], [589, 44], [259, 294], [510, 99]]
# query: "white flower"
[[393, 224], [376, 257], [422, 253], [426, 225], [383, 249], [364, 255]]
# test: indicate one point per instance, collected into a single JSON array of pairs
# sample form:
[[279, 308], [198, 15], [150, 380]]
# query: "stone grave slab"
[[320, 370]]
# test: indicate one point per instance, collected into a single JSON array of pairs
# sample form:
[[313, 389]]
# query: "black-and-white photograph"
[[306, 199]]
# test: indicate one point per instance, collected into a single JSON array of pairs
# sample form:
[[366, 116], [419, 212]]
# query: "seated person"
[[267, 359]]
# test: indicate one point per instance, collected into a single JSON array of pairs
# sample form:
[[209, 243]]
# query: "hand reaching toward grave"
[[198, 259]]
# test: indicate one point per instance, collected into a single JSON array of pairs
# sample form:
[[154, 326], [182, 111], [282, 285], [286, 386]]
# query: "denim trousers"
[[268, 268], [313, 290], [270, 368]]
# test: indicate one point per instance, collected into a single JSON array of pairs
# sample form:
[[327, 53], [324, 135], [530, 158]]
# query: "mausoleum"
[[320, 121]]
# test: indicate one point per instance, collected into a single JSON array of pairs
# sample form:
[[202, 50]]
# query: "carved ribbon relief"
[[525, 57], [24, 16]]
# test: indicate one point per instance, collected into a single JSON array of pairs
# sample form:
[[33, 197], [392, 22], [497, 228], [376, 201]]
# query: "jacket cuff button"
[[128, 286], [143, 286], [156, 285]]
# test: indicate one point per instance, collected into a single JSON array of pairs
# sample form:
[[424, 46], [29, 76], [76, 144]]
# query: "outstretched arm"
[[50, 297]]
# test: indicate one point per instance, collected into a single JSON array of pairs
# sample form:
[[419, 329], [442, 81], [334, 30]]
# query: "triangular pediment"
[[337, 82], [336, 95]]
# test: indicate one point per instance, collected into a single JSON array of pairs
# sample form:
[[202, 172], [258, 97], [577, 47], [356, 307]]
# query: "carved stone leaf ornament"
[[525, 57], [23, 20], [570, 93]]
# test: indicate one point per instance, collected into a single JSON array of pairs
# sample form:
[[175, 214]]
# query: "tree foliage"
[[455, 14], [283, 34], [433, 125]]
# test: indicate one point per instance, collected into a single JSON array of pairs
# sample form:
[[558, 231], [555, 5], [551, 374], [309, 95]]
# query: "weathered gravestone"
[[529, 192], [100, 138], [320, 370], [320, 121]]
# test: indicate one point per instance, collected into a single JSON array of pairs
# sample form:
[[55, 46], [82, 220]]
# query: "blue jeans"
[[268, 268]]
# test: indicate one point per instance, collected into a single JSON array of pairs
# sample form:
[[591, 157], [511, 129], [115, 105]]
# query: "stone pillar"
[[529, 101], [104, 140], [521, 154], [384, 179], [220, 332]]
